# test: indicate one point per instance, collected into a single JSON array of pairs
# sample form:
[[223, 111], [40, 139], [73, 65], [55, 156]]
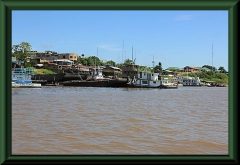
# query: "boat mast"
[[132, 53], [212, 57], [153, 62], [122, 51], [95, 59]]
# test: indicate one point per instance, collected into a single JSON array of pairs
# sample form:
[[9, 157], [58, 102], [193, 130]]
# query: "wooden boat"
[[99, 83], [49, 78], [97, 80]]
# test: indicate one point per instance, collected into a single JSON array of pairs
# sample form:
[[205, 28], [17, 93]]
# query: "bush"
[[44, 71]]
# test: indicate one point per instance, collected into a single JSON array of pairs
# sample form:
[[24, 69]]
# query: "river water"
[[90, 120]]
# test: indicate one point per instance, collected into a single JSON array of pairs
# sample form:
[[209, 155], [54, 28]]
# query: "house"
[[192, 69], [68, 56], [168, 73], [172, 69], [49, 56]]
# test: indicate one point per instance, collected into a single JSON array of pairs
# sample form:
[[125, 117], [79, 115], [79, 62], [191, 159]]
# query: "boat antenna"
[[132, 53], [125, 54], [153, 62], [212, 57], [122, 51], [135, 53]]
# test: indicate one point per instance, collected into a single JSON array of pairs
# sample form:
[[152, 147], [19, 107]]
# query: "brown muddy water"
[[88, 120]]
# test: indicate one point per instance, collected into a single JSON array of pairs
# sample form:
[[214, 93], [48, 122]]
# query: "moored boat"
[[97, 80], [21, 78], [25, 85], [118, 82], [49, 78], [145, 79], [151, 80], [191, 81], [165, 84]]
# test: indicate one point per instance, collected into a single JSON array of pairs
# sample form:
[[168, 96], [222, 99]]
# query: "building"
[[46, 56], [68, 56], [49, 56], [192, 69], [167, 73]]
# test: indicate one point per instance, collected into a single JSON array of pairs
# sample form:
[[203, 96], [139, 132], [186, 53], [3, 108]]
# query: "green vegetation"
[[209, 76], [158, 68], [43, 71], [22, 51], [90, 61]]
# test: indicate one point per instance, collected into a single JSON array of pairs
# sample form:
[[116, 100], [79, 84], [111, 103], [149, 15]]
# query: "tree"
[[209, 67], [90, 62], [22, 51], [96, 60], [222, 70], [158, 68], [111, 62], [33, 62], [127, 61]]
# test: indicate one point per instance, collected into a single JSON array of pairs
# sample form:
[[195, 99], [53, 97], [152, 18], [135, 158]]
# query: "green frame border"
[[6, 6]]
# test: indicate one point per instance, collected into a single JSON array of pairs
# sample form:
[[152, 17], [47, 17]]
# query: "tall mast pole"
[[153, 62], [122, 51], [97, 56], [132, 53], [125, 54], [212, 57]]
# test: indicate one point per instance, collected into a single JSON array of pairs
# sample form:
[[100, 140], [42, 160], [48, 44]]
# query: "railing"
[[23, 71]]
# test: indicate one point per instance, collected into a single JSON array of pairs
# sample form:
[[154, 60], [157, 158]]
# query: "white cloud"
[[183, 18], [110, 47], [46, 45]]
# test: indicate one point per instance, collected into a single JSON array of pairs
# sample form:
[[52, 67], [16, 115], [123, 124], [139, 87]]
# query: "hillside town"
[[69, 69]]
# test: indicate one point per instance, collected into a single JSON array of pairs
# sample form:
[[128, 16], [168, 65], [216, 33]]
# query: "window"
[[70, 56], [144, 82]]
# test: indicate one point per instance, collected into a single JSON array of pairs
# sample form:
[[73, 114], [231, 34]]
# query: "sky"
[[176, 38]]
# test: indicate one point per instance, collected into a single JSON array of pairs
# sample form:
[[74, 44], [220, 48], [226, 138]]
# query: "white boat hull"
[[32, 85]]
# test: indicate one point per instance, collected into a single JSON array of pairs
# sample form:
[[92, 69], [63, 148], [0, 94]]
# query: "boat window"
[[144, 82]]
